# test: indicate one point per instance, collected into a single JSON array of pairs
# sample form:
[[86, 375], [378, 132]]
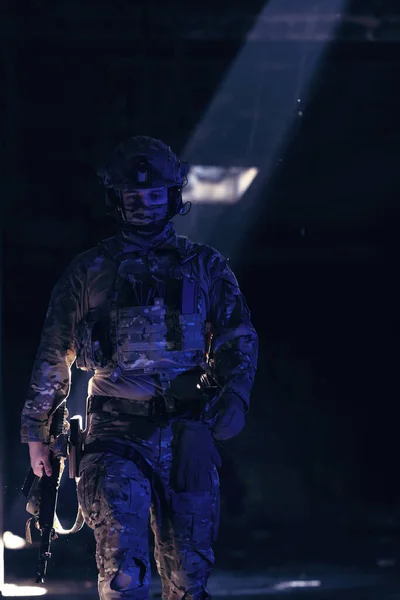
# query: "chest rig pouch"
[[155, 322]]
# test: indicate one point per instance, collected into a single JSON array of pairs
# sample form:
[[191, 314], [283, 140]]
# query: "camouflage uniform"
[[115, 493], [116, 496]]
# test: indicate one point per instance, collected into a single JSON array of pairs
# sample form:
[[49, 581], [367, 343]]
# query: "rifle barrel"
[[44, 554], [48, 505]]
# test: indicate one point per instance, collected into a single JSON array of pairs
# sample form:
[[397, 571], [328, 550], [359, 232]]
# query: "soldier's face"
[[145, 206]]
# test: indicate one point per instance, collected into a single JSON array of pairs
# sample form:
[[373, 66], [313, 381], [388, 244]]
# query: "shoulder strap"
[[190, 288], [113, 249], [110, 248], [186, 249]]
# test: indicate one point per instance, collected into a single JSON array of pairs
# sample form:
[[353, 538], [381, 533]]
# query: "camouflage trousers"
[[117, 496]]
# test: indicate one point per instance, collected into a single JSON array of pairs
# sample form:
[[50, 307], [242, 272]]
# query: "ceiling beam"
[[136, 23]]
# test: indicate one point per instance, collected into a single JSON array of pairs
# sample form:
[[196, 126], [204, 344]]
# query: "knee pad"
[[129, 577]]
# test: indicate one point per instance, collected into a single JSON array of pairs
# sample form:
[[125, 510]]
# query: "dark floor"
[[305, 565], [305, 581], [312, 582]]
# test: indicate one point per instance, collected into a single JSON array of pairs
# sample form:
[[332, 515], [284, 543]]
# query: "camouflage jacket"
[[86, 283]]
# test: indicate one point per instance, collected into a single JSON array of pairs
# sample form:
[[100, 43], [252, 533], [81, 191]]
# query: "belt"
[[157, 410]]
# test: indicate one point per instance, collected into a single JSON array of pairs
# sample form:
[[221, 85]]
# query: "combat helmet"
[[143, 162]]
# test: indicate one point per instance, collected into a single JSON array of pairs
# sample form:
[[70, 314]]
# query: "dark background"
[[318, 462]]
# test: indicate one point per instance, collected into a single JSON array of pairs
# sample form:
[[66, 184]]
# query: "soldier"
[[161, 322]]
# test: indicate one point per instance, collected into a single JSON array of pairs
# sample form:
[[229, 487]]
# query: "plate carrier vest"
[[149, 338]]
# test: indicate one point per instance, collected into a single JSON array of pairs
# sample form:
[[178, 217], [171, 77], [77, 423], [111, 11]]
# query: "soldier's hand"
[[40, 458]]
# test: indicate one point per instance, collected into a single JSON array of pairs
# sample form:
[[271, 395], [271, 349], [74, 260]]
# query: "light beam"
[[249, 121]]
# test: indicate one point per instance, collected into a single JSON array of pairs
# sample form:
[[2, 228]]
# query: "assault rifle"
[[42, 492]]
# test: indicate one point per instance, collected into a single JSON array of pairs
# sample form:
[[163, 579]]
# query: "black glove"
[[230, 417], [195, 457]]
